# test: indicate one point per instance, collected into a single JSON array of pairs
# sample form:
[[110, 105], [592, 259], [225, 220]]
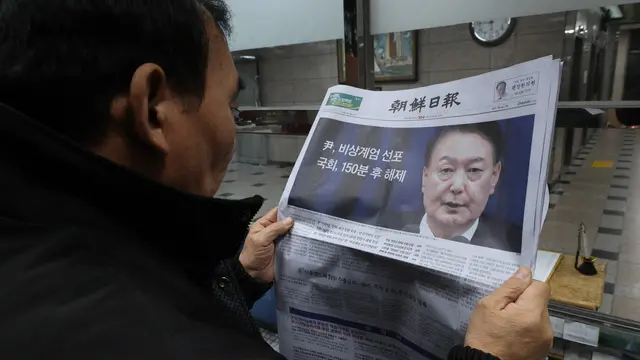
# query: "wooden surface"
[[556, 356], [570, 287]]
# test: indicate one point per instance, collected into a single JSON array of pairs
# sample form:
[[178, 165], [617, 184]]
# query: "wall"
[[300, 74], [448, 53], [297, 74]]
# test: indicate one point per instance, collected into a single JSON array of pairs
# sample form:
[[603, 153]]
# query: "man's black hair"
[[63, 61], [501, 83], [489, 131]]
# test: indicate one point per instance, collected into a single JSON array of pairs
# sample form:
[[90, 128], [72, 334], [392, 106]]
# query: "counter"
[[265, 145]]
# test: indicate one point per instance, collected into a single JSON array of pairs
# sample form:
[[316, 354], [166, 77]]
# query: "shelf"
[[594, 329]]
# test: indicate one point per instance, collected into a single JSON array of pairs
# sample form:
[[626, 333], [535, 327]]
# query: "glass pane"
[[258, 24]]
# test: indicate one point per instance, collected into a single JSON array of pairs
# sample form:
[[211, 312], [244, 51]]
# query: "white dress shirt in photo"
[[468, 235]]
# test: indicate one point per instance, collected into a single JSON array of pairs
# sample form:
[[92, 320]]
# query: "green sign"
[[345, 101]]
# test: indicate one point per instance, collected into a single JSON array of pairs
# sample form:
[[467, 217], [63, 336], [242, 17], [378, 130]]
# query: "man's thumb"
[[511, 290]]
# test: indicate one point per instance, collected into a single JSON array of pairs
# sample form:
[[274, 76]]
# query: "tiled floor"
[[602, 198]]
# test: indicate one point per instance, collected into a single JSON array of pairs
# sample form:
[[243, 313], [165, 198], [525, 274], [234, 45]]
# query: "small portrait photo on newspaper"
[[463, 182], [501, 91]]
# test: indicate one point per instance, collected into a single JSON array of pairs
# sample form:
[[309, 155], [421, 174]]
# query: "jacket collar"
[[47, 179]]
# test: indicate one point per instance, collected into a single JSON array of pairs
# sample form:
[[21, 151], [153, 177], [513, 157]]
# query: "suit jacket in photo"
[[491, 232]]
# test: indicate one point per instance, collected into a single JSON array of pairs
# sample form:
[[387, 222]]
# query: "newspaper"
[[410, 206]]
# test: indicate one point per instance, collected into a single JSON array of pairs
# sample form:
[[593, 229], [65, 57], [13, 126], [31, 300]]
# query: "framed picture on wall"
[[396, 56]]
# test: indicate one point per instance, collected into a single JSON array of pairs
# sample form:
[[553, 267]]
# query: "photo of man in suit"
[[461, 171], [501, 90]]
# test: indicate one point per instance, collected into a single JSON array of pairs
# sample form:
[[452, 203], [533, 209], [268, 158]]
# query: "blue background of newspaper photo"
[[331, 180]]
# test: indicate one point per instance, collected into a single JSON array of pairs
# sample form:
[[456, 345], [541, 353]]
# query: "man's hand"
[[513, 323], [258, 254]]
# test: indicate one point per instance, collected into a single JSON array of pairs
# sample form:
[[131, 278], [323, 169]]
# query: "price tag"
[[581, 333], [558, 326]]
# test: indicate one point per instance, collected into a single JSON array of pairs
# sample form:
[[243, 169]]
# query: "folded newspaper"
[[410, 206]]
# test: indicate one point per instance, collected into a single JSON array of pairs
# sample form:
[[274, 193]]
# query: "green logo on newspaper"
[[345, 101]]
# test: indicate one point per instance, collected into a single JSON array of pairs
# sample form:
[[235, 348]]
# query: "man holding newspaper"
[[110, 238]]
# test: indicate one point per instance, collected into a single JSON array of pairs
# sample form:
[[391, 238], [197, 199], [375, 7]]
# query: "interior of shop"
[[593, 171]]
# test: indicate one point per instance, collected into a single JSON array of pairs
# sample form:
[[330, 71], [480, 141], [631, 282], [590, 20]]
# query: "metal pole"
[[365, 46], [609, 65]]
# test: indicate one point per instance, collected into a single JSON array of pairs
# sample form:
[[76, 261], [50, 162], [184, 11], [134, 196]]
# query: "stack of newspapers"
[[409, 207]]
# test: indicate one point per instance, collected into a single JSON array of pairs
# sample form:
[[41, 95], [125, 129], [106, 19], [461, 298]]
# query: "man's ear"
[[495, 176], [148, 89]]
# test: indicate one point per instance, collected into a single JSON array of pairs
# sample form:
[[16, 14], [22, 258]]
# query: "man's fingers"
[[511, 290], [271, 232], [536, 296]]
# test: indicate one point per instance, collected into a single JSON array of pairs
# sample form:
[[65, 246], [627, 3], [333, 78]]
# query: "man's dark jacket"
[[491, 233], [97, 262]]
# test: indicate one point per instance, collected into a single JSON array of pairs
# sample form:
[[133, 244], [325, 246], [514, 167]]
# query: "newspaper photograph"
[[409, 207]]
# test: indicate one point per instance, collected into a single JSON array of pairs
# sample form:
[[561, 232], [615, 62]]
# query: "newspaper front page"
[[410, 206]]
